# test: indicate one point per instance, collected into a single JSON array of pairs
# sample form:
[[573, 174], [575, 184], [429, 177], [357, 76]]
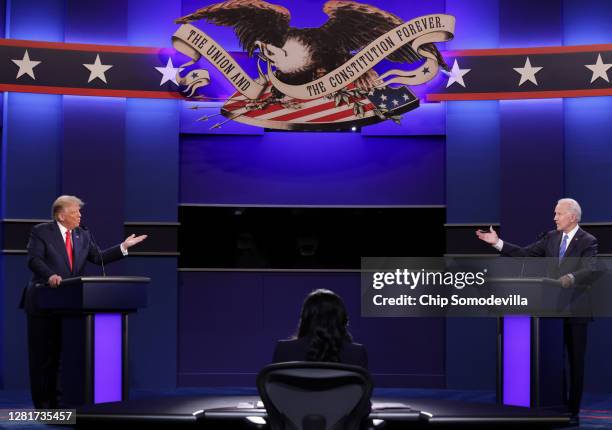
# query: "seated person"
[[322, 334]]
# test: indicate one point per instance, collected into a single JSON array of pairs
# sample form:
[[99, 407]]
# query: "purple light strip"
[[107, 358], [517, 361]]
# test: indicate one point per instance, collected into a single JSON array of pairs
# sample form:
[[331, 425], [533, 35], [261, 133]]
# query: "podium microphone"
[[93, 240]]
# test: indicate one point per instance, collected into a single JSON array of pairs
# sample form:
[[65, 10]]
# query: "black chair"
[[306, 395]]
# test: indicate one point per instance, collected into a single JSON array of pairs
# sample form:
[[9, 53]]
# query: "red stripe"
[[79, 46], [152, 50], [265, 96], [236, 105], [523, 51], [519, 95], [340, 115], [89, 92], [241, 103], [268, 109], [306, 111]]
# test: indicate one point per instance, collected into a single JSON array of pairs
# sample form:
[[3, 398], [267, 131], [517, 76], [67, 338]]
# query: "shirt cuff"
[[123, 250], [499, 245]]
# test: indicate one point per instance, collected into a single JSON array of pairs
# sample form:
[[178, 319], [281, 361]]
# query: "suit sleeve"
[[588, 263], [96, 255], [536, 249], [36, 256]]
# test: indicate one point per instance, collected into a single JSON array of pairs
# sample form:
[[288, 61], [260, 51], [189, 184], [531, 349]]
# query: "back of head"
[[324, 321]]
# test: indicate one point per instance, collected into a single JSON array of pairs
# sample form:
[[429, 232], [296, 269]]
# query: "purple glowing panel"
[[285, 168], [517, 361], [107, 358]]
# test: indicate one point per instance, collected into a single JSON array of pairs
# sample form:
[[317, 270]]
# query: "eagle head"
[[295, 56]]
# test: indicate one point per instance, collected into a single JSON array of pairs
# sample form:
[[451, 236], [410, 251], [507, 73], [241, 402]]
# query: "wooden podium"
[[94, 309]]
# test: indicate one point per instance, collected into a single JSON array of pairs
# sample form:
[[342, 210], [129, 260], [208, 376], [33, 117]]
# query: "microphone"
[[91, 236]]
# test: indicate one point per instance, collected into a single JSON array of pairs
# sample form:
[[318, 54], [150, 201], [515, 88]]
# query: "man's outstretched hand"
[[133, 240], [490, 236]]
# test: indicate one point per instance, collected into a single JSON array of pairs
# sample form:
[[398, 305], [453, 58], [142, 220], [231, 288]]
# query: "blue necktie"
[[563, 248]]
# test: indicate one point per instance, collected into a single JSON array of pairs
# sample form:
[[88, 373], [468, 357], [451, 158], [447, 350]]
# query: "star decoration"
[[97, 70], [382, 106], [169, 72], [456, 75], [26, 66], [405, 96], [425, 70], [395, 102], [599, 69], [383, 97], [527, 72]]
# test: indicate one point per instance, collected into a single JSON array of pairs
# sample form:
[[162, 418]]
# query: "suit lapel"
[[77, 251], [571, 247], [557, 243], [60, 245]]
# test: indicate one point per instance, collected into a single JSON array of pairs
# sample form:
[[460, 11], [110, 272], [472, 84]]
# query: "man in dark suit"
[[57, 250], [576, 250]]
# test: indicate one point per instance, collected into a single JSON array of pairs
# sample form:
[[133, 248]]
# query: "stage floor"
[[246, 411], [442, 404]]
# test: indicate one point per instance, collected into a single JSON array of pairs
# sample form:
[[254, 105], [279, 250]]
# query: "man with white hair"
[[575, 249], [57, 250]]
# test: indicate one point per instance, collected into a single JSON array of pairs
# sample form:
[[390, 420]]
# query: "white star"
[[527, 72], [97, 70], [382, 106], [599, 69], [26, 66], [168, 72], [456, 75], [405, 96], [383, 97], [395, 102]]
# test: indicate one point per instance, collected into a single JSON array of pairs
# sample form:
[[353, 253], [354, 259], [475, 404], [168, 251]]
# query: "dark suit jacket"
[[47, 256], [579, 259], [297, 350]]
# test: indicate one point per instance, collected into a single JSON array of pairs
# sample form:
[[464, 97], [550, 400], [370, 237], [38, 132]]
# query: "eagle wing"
[[253, 20], [353, 25]]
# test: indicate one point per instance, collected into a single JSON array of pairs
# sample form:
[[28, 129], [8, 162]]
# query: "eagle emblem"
[[318, 78]]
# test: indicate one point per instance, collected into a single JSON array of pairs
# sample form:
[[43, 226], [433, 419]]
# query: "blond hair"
[[62, 202]]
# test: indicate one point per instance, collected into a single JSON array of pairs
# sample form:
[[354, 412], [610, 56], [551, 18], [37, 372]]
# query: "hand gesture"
[[133, 240], [566, 281], [54, 280], [490, 236]]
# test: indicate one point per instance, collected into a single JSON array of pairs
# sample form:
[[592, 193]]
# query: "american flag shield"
[[348, 108]]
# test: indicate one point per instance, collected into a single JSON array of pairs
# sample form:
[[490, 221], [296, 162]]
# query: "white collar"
[[63, 229], [571, 234]]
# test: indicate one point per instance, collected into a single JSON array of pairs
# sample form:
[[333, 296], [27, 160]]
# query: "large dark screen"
[[305, 238]]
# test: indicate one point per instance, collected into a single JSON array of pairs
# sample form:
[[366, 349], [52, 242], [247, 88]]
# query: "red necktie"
[[69, 248]]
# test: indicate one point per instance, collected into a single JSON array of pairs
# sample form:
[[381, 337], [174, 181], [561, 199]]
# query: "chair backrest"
[[306, 395]]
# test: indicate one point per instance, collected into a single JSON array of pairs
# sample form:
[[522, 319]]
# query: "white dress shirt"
[[500, 243], [63, 231]]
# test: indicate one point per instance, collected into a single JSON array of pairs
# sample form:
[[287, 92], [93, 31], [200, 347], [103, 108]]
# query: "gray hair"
[[62, 202], [573, 207]]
